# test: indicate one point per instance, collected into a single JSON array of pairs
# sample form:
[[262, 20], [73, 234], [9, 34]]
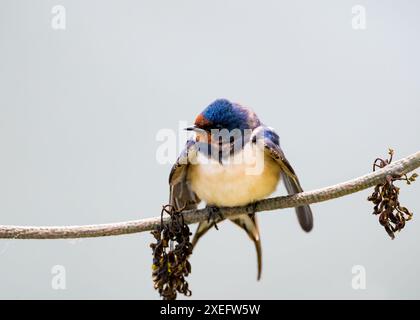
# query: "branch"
[[402, 166]]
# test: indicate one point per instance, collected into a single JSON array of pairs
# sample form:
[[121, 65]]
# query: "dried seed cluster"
[[170, 255], [392, 215]]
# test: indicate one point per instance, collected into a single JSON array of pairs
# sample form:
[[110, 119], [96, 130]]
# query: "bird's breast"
[[238, 181]]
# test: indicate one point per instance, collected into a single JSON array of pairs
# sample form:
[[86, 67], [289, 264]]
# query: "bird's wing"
[[249, 224], [291, 181], [181, 195]]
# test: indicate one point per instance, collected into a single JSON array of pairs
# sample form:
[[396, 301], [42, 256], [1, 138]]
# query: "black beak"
[[195, 129]]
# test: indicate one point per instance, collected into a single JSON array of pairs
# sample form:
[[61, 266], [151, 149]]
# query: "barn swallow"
[[205, 172]]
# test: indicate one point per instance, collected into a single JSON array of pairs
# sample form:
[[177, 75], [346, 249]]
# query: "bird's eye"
[[218, 126]]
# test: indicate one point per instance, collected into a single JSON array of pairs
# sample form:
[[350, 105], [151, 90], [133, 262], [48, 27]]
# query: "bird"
[[208, 169]]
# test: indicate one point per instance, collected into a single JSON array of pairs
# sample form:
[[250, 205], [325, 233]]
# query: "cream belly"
[[231, 184]]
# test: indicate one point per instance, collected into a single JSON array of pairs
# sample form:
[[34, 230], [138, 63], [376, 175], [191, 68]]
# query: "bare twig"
[[399, 167]]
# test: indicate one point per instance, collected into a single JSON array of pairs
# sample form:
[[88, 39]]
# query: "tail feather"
[[249, 224], [202, 228], [245, 222]]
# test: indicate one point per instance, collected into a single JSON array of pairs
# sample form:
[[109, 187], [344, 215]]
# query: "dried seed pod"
[[385, 197], [170, 255]]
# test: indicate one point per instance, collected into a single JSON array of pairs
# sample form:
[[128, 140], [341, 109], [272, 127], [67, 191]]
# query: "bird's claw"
[[252, 208], [214, 215]]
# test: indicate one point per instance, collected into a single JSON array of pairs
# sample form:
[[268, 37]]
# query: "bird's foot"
[[215, 215], [252, 208]]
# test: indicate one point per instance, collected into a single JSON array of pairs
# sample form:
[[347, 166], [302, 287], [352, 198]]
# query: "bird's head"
[[223, 114]]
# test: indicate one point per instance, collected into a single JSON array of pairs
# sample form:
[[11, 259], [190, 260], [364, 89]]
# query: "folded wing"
[[290, 179]]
